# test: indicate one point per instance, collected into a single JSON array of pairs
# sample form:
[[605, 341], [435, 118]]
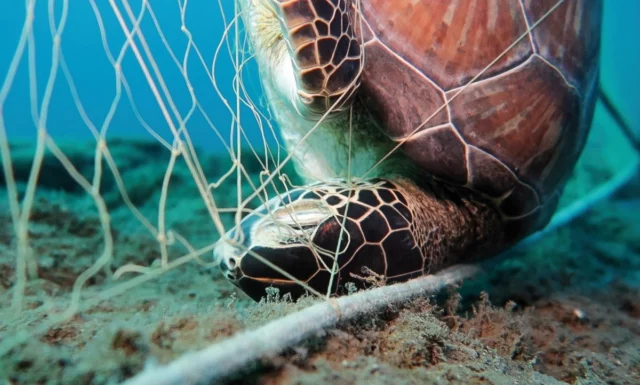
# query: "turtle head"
[[274, 238], [308, 233], [307, 52]]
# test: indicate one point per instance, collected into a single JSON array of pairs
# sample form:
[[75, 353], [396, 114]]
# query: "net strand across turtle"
[[418, 153]]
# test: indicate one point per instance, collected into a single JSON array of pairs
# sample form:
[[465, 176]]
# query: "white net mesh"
[[102, 87], [131, 99]]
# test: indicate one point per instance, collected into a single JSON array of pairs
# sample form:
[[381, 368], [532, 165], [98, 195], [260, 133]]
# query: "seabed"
[[564, 311]]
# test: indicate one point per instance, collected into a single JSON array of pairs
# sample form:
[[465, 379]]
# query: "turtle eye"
[[292, 224], [304, 226]]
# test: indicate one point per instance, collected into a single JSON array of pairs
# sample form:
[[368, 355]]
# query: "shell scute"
[[491, 95]]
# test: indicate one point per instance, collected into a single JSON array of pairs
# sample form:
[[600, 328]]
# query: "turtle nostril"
[[227, 265]]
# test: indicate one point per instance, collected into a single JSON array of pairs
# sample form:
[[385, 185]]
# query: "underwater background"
[[95, 78], [564, 311], [620, 60]]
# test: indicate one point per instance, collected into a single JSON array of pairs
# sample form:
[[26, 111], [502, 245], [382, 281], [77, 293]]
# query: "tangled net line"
[[234, 47]]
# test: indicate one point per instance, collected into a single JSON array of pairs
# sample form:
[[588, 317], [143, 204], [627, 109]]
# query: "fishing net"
[[124, 113], [110, 128]]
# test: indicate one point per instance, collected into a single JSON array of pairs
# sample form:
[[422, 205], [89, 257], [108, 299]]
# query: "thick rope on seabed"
[[578, 208], [232, 354]]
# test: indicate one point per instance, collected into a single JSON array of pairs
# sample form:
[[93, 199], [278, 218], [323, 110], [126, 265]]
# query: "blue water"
[[620, 56], [95, 80], [94, 75]]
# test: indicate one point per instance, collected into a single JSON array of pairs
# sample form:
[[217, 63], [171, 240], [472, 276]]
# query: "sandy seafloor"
[[565, 311]]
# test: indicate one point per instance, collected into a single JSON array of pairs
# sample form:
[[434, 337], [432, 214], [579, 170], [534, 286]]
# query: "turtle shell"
[[494, 95]]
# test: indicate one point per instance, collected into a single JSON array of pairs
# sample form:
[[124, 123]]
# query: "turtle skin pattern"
[[511, 137], [326, 54], [379, 235]]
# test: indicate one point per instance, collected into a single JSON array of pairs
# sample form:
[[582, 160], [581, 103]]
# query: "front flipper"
[[325, 52]]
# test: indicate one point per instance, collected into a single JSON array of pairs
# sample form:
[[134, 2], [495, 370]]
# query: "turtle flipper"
[[325, 52]]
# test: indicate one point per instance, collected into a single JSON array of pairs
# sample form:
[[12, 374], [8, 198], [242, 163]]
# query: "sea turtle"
[[483, 105]]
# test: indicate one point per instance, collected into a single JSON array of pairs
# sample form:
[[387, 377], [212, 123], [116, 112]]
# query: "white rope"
[[579, 207], [231, 355], [226, 357]]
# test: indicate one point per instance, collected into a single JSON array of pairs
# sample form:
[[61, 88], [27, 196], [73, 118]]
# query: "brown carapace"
[[515, 133], [491, 99]]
